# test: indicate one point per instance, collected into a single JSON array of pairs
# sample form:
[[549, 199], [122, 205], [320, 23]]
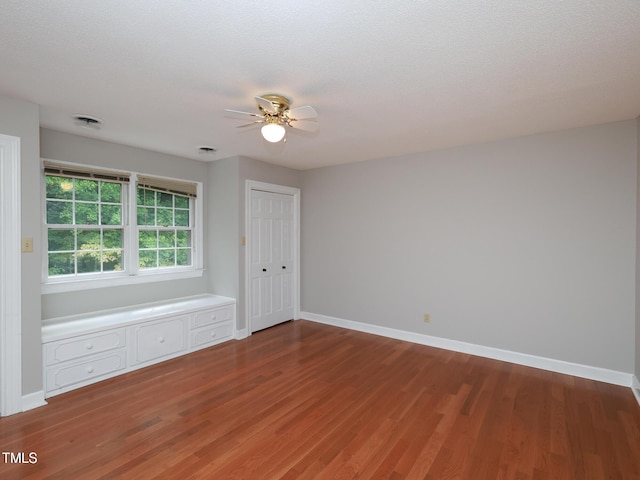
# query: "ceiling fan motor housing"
[[280, 103]]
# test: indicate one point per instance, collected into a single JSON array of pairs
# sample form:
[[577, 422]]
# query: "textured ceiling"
[[387, 78]]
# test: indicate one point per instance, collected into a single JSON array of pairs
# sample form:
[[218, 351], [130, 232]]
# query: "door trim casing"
[[10, 278], [251, 185]]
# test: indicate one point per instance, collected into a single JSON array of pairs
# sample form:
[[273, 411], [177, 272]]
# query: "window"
[[164, 229], [89, 236], [84, 217]]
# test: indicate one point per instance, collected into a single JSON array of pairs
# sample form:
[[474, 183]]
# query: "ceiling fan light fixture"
[[273, 132], [274, 114]]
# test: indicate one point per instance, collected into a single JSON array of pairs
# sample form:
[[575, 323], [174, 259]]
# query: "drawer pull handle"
[[89, 346], [213, 317], [161, 339], [213, 334], [89, 369]]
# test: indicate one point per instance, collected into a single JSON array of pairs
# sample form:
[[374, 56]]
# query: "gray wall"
[[21, 119], [525, 245], [72, 148], [222, 211], [637, 370]]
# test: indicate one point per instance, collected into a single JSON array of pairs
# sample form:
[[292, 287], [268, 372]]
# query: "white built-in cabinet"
[[83, 349]]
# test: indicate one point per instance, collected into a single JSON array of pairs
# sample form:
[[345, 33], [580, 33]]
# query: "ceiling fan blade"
[[243, 113], [304, 125], [249, 124], [266, 105], [302, 113]]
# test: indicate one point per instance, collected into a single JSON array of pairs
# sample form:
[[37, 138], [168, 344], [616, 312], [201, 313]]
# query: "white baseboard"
[[33, 400], [240, 334], [559, 366], [635, 387]]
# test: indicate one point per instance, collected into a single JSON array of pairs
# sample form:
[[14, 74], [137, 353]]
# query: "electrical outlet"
[[427, 318]]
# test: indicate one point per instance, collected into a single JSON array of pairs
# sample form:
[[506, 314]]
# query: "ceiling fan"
[[274, 113]]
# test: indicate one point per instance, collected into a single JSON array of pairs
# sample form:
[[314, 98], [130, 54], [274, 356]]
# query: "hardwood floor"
[[308, 401]]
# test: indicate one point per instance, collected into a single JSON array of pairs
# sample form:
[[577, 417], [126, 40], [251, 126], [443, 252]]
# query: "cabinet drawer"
[[153, 341], [85, 372], [79, 347], [211, 335], [209, 317]]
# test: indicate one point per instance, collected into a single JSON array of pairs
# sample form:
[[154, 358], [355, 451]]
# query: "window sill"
[[88, 284]]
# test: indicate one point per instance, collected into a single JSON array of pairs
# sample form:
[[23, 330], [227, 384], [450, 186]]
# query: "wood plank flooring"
[[308, 401]]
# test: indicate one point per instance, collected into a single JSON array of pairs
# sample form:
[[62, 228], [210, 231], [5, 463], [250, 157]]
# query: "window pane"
[[164, 199], [148, 239], [146, 216], [59, 212], [110, 192], [86, 214], [167, 239], [182, 218], [165, 217], [61, 264], [112, 260], [183, 238], [147, 258], [87, 190], [59, 187], [88, 262], [111, 215], [146, 197], [61, 240], [182, 202], [88, 239], [183, 257], [167, 258], [149, 197], [112, 238]]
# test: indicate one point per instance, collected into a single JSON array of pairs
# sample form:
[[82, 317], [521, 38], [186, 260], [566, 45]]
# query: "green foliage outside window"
[[84, 218], [164, 235]]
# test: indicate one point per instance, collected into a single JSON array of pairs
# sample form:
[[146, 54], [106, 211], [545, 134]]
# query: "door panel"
[[271, 259]]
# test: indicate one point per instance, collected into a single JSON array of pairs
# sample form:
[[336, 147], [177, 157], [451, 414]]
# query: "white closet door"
[[272, 263]]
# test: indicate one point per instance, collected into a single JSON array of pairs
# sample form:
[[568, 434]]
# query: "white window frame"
[[131, 273]]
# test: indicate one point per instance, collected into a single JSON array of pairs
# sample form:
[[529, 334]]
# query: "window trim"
[[131, 274]]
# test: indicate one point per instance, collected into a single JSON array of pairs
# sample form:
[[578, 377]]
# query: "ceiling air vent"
[[86, 121]]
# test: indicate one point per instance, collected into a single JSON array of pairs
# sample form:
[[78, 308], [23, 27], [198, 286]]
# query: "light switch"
[[27, 244]]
